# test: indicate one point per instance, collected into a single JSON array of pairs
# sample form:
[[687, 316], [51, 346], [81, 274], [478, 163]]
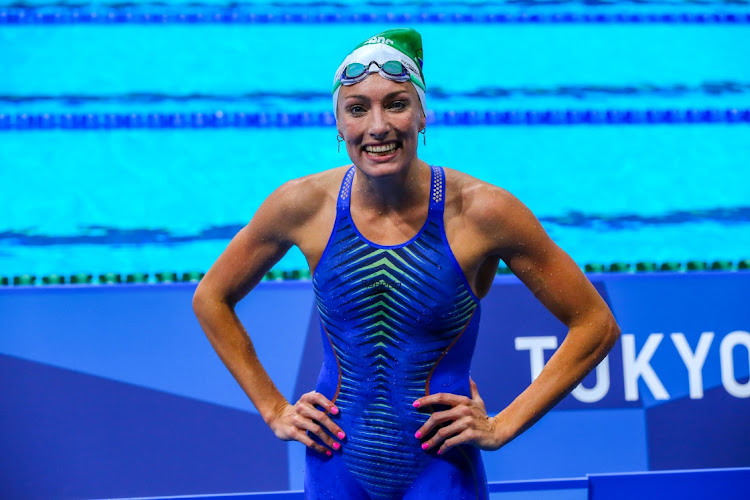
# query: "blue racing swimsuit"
[[398, 322]]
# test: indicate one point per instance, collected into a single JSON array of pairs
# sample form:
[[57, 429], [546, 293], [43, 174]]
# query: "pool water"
[[151, 200]]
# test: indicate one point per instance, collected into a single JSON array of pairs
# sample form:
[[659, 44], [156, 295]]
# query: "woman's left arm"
[[513, 233]]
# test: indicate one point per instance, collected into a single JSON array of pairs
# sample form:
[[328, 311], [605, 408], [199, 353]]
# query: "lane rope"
[[221, 119], [230, 15]]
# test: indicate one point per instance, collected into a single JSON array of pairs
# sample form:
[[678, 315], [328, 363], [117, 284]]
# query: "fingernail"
[[334, 410], [440, 452], [341, 435], [328, 452], [425, 446], [418, 435], [336, 446], [416, 404]]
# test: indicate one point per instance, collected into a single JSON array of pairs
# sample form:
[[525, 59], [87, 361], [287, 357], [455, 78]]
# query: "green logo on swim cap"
[[379, 39], [406, 40]]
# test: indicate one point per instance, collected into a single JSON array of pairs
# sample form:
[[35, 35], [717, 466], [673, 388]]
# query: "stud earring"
[[339, 139]]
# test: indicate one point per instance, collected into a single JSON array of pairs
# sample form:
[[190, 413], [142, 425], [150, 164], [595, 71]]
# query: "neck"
[[394, 192]]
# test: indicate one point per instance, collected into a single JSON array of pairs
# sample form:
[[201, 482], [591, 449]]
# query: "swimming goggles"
[[392, 70]]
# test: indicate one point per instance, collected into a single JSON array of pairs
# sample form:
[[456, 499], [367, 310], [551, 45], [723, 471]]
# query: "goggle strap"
[[416, 82]]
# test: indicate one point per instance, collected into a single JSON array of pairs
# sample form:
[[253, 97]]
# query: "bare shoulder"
[[297, 201], [305, 194], [478, 201], [490, 214]]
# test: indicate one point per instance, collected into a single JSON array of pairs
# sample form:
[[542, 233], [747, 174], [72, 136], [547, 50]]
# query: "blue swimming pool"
[[159, 199]]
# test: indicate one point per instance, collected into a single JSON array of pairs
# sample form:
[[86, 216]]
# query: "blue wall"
[[114, 390]]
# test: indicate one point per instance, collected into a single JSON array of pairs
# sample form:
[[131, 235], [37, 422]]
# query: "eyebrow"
[[388, 96]]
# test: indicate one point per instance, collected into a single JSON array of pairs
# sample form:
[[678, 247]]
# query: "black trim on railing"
[[304, 274]]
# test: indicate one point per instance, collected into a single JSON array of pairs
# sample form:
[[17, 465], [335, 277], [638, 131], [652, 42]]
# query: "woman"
[[401, 253]]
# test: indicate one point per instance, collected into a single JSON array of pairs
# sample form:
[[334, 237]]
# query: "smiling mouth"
[[381, 150]]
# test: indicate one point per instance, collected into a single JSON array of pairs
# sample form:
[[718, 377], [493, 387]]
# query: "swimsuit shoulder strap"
[[437, 192], [345, 191]]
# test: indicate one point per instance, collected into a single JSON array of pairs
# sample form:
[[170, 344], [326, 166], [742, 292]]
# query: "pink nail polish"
[[416, 404], [336, 446], [425, 446], [328, 452], [334, 410], [341, 435], [440, 452], [418, 435]]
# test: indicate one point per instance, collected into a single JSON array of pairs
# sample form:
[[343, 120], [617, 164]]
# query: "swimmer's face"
[[380, 121]]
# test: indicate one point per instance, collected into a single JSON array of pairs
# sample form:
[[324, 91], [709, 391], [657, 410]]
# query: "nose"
[[379, 124]]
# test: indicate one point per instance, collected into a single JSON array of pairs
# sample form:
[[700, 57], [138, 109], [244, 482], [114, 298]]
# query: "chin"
[[381, 169], [375, 166]]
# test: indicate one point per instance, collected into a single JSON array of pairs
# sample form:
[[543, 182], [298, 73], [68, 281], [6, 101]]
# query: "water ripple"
[[104, 235], [725, 88]]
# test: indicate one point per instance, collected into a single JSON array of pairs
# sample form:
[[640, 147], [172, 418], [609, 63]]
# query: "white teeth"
[[381, 149]]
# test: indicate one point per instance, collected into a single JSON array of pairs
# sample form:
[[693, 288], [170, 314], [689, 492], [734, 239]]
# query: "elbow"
[[603, 333], [207, 302], [611, 332], [198, 301], [201, 299]]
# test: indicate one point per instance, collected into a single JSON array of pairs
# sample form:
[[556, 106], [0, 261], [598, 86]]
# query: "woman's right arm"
[[250, 254]]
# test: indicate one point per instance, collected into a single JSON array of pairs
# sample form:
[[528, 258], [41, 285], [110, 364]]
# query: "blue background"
[[114, 391]]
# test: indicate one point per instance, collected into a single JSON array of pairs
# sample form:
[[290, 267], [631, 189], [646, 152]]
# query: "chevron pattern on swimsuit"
[[391, 314]]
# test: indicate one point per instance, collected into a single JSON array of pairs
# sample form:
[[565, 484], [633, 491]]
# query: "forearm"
[[583, 348], [234, 347]]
